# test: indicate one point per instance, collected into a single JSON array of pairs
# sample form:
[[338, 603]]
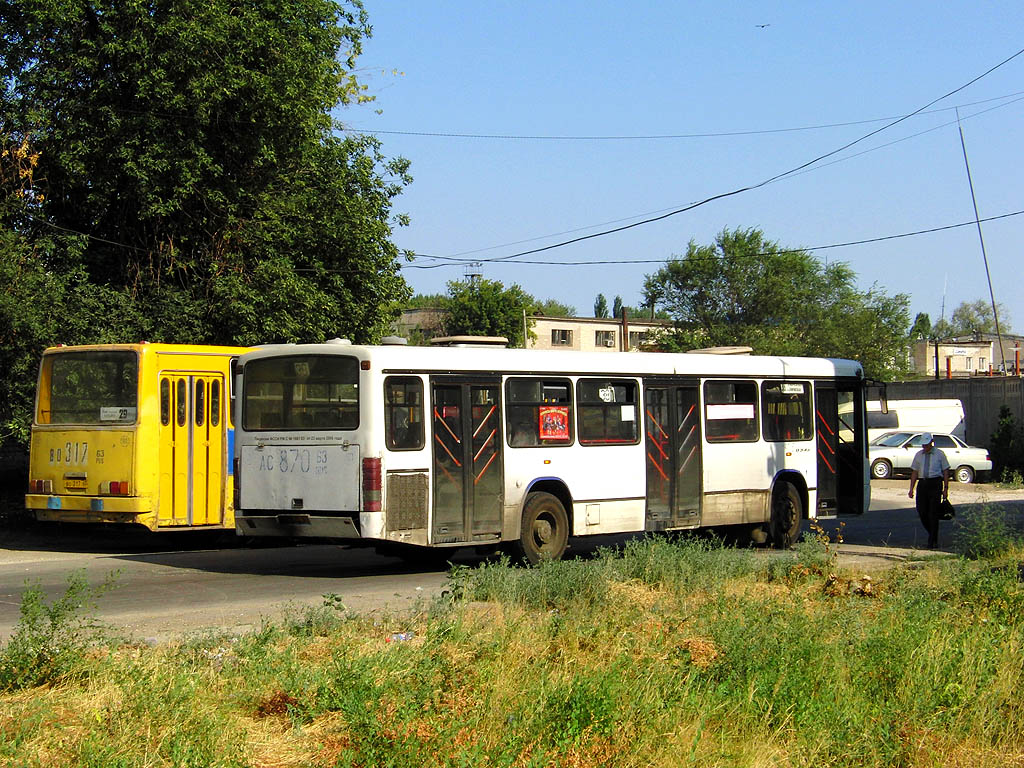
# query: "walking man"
[[930, 473]]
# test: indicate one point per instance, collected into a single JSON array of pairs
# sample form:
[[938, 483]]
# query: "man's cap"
[[927, 437]]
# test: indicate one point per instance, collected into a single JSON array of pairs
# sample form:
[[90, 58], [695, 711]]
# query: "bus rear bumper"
[[90, 509], [297, 525]]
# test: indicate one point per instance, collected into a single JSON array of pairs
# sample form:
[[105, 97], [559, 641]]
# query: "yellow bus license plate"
[[74, 484]]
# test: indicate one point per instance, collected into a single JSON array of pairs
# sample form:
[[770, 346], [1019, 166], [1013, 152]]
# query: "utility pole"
[[984, 256]]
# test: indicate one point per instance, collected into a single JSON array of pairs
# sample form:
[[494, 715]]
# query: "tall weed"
[[50, 640], [986, 531]]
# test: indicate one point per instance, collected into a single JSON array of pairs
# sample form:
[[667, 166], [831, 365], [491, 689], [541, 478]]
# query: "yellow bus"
[[134, 434]]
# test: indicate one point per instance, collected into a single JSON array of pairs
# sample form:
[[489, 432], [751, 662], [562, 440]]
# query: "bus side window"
[[403, 413], [730, 411], [608, 411], [165, 401], [538, 412], [786, 410]]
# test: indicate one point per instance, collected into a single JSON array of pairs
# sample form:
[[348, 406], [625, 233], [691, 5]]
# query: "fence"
[[982, 397]]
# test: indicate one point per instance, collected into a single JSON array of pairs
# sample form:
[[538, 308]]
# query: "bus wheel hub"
[[542, 530]]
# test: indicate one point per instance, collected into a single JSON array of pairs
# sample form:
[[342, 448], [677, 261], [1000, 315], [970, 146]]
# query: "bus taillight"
[[114, 488], [40, 486], [371, 485]]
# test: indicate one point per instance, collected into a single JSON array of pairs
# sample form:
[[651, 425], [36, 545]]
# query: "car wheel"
[[881, 470], [965, 474]]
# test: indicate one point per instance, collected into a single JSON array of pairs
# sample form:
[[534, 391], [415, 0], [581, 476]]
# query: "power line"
[[846, 244], [758, 185], [455, 256], [664, 136]]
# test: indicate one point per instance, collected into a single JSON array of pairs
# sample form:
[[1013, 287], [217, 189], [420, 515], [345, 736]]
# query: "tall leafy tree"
[[972, 317], [482, 307], [187, 183], [922, 327], [191, 144], [746, 290], [617, 307], [600, 306], [554, 308]]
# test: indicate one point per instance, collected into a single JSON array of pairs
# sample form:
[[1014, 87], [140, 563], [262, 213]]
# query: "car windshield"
[[892, 439]]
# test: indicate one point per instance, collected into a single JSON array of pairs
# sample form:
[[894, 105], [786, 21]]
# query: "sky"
[[531, 123]]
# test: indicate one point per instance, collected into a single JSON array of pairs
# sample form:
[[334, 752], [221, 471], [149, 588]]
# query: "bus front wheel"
[[787, 514], [545, 529]]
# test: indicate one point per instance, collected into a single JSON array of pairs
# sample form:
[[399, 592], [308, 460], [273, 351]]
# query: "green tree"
[[187, 183], [1007, 444], [600, 306], [746, 290], [617, 307], [922, 328], [482, 307], [553, 308], [973, 317]]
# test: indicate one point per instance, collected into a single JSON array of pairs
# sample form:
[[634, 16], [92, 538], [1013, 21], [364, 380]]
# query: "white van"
[[945, 416]]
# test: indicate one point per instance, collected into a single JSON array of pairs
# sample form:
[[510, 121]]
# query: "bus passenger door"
[[467, 461], [192, 444], [672, 427], [826, 421], [842, 447]]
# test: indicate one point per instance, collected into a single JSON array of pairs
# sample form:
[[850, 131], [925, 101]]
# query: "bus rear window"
[[97, 387], [301, 392]]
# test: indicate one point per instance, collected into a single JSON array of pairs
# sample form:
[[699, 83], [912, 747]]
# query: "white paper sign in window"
[[731, 411]]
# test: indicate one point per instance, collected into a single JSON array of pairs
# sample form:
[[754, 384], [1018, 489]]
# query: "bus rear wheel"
[[787, 514], [544, 534]]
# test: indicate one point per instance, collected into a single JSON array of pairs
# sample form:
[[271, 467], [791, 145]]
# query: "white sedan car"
[[892, 453]]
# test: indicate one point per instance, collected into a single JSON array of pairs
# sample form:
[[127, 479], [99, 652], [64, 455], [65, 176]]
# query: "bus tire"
[[544, 533], [787, 515]]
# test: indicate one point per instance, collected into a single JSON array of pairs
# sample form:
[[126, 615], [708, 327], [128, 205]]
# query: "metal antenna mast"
[[984, 256]]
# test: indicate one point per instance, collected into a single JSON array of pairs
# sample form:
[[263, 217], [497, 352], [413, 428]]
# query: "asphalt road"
[[167, 587]]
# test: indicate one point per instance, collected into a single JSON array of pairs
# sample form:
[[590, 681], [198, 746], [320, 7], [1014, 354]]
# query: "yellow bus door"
[[192, 444]]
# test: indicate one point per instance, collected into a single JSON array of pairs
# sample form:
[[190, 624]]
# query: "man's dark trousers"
[[929, 497]]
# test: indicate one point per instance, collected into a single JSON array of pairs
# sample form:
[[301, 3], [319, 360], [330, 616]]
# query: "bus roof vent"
[[470, 341], [721, 351], [339, 341], [394, 341]]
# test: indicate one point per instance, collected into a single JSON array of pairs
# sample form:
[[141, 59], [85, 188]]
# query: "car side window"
[[916, 441], [944, 441]]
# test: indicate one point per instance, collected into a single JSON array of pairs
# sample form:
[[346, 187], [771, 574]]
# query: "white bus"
[[454, 447]]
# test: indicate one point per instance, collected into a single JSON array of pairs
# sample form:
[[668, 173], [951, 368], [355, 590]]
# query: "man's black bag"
[[946, 511]]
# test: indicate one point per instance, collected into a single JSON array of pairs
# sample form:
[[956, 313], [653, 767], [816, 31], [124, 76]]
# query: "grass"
[[663, 653]]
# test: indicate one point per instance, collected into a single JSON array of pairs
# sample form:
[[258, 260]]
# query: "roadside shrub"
[[50, 640], [986, 531]]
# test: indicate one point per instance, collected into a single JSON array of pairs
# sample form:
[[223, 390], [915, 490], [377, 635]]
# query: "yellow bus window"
[[165, 401], [182, 403], [214, 403], [200, 402]]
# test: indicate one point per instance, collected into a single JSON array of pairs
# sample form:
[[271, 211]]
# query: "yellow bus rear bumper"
[[92, 509]]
